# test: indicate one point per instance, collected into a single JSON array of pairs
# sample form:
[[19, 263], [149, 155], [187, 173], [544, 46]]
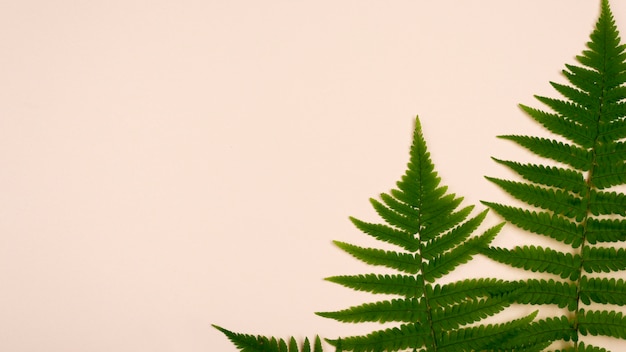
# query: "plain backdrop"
[[168, 165]]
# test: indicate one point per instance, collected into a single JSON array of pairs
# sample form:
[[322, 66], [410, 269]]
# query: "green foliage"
[[575, 198], [250, 343], [432, 235]]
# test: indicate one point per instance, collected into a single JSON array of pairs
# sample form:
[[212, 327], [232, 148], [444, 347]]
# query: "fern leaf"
[[391, 339], [607, 203], [603, 260], [451, 239], [608, 175], [448, 261], [550, 176], [492, 337], [562, 294], [434, 235], [447, 318], [469, 289], [605, 230], [541, 332], [612, 152], [402, 285], [386, 233], [569, 154], [538, 259], [602, 323], [557, 201], [563, 127], [405, 262], [583, 348], [612, 131], [395, 218], [542, 223], [574, 111], [433, 228], [398, 310], [251, 343], [574, 197], [603, 290]]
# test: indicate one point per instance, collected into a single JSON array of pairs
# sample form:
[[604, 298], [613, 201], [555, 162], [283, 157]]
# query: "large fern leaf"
[[574, 197], [433, 235]]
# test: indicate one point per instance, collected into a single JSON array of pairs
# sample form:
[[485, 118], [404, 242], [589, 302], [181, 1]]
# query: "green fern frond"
[[251, 343], [433, 235], [575, 200]]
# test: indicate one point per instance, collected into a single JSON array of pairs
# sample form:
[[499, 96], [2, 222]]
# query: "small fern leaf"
[[392, 339], [583, 348], [609, 175], [561, 294], [541, 223], [448, 261], [403, 222], [387, 234], [603, 291], [569, 154], [491, 337], [550, 176], [405, 262], [538, 259], [435, 235], [468, 289], [602, 323], [557, 201], [605, 230], [578, 113], [563, 127], [603, 260], [396, 310], [251, 343], [607, 203], [452, 238], [541, 332], [402, 285], [468, 311], [432, 229], [612, 152]]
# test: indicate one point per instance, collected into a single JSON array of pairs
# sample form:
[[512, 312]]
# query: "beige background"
[[171, 164]]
